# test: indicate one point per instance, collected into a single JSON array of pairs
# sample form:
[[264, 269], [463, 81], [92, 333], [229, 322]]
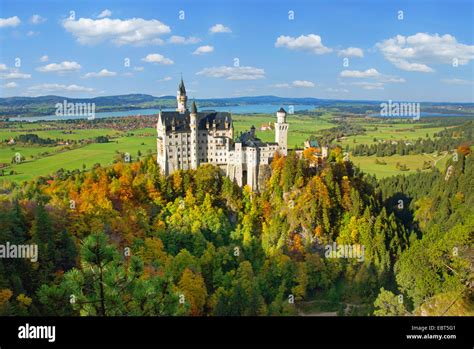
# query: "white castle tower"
[[281, 131], [194, 136], [181, 98]]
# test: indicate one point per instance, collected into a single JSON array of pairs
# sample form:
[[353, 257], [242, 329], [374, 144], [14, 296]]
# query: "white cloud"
[[303, 83], [105, 13], [416, 52], [233, 73], [135, 31], [295, 83], [456, 81], [360, 74], [10, 84], [311, 43], [14, 75], [101, 74], [219, 28], [203, 50], [3, 67], [9, 22], [166, 78], [370, 85], [405, 65], [181, 40], [44, 58], [31, 33], [37, 19], [282, 85], [391, 79], [337, 90], [351, 52], [157, 58], [372, 73], [59, 87], [66, 66]]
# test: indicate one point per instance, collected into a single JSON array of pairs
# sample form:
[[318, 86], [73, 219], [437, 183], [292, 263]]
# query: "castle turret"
[[161, 140], [194, 136], [281, 131], [252, 131], [181, 98]]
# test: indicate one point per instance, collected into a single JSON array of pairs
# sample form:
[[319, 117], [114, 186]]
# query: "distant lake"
[[236, 109]]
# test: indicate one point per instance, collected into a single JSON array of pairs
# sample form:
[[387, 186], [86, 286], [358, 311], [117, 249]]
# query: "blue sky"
[[328, 49]]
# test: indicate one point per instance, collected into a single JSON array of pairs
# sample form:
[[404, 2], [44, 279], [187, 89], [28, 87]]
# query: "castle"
[[188, 138]]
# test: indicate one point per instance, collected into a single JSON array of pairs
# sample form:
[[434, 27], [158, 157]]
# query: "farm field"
[[8, 152], [54, 134], [384, 132], [89, 155], [413, 162]]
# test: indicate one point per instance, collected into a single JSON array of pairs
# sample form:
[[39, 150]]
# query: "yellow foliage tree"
[[193, 287]]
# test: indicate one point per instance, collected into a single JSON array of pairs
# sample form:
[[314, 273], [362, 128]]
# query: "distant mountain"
[[99, 101], [45, 105], [143, 98]]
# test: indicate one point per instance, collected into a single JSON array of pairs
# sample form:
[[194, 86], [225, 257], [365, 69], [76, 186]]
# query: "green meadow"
[[414, 163], [388, 132], [55, 134], [87, 156]]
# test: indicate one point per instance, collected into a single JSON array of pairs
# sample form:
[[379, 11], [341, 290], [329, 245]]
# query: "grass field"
[[58, 134], [413, 162], [399, 131], [89, 155]]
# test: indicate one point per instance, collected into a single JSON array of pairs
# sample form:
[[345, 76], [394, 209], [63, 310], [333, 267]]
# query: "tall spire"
[[182, 89], [181, 97], [194, 108]]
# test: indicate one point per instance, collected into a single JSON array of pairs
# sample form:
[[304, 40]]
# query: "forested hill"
[[45, 105], [125, 240]]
